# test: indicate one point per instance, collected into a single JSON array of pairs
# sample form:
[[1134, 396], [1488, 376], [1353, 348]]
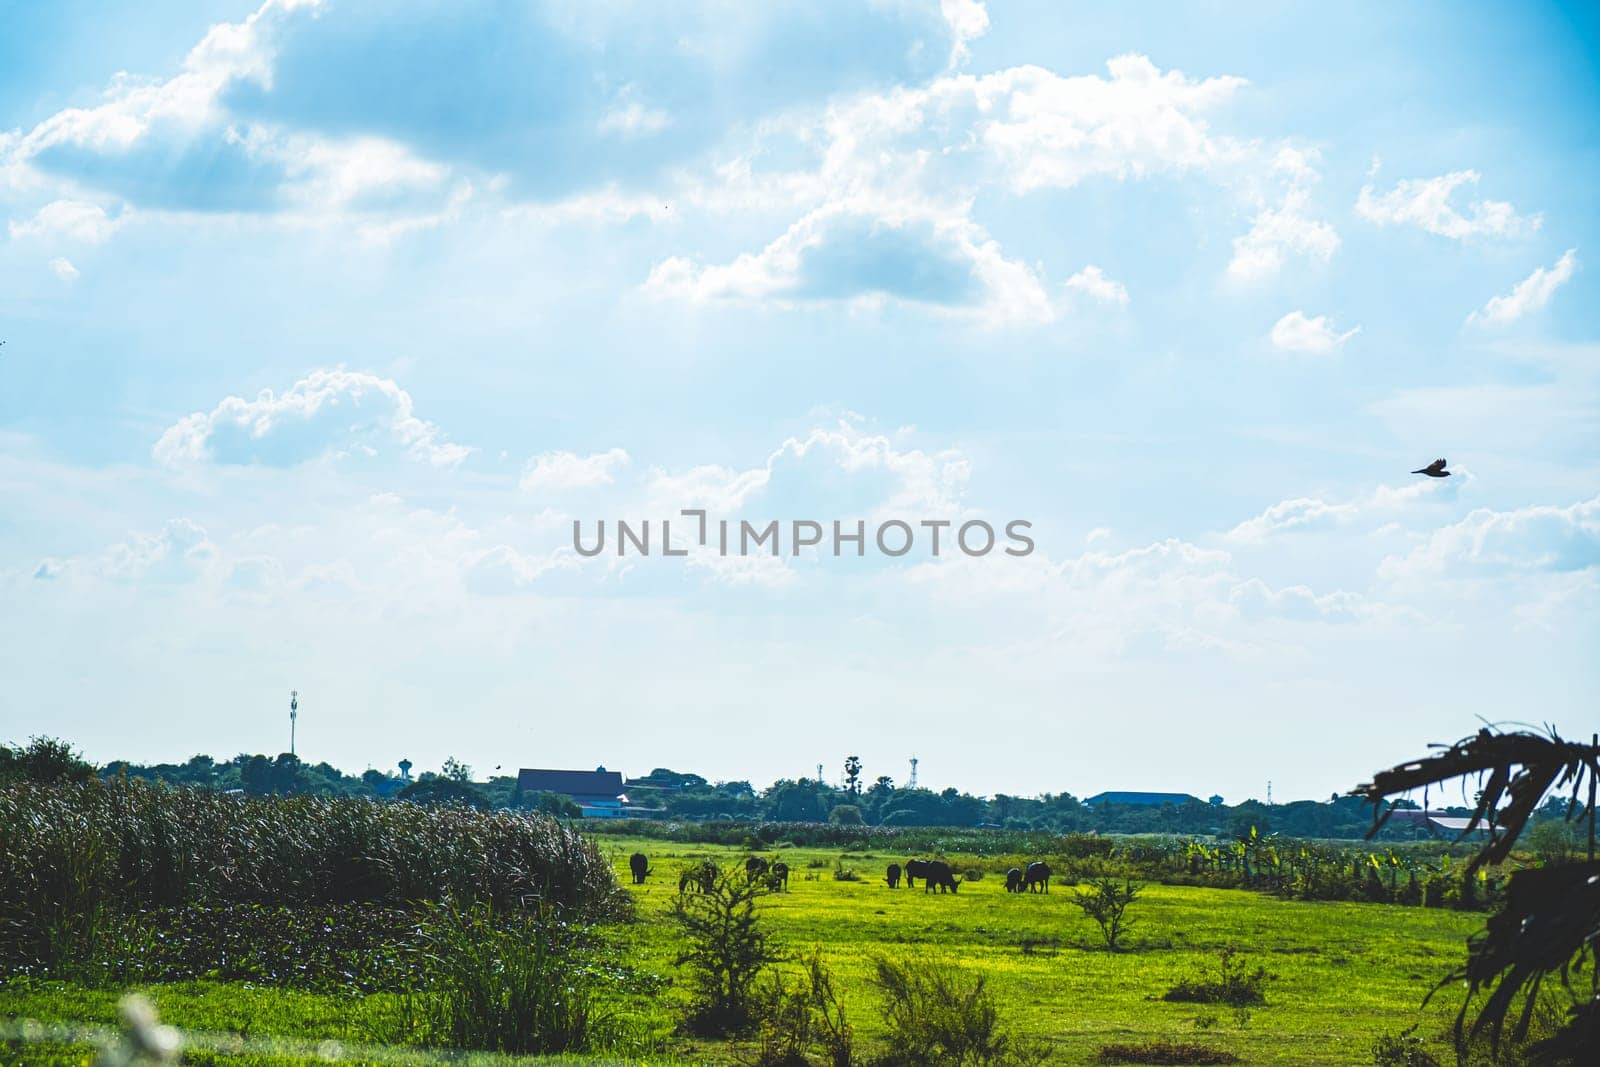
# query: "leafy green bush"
[[1106, 902], [1404, 1049], [803, 1018], [933, 1013], [1234, 984], [1165, 1052], [726, 950]]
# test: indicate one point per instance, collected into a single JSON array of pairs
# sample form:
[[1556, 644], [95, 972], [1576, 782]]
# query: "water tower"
[[913, 783]]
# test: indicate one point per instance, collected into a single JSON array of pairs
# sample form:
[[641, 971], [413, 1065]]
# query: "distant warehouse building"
[[1141, 800], [598, 792]]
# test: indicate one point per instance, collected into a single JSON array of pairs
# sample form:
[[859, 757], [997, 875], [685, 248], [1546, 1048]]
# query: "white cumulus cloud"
[[568, 470], [1529, 295], [1298, 332], [1426, 204], [327, 411], [1092, 282]]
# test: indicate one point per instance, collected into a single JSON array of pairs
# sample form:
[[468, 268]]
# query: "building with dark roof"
[[598, 792], [1142, 800]]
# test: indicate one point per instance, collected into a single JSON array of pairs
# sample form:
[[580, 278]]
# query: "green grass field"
[[1346, 972]]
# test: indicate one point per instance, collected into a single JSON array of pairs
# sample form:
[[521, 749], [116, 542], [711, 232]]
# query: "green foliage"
[[45, 760], [444, 791], [74, 856], [845, 815], [1404, 1049], [1234, 984], [933, 1013], [558, 804], [726, 947], [803, 1019], [514, 983], [1106, 901], [1164, 1052]]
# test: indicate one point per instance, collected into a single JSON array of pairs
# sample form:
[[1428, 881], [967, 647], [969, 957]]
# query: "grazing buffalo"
[[698, 878], [778, 876], [915, 869], [1014, 880], [755, 867], [893, 877], [1037, 874], [939, 876], [639, 864]]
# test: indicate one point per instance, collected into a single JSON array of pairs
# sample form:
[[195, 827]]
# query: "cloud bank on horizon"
[[325, 326]]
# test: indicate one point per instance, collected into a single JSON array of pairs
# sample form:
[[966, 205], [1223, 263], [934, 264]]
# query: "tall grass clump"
[[934, 1013], [72, 854], [520, 983]]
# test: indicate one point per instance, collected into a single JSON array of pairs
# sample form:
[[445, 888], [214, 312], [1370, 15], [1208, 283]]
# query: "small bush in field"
[[1106, 901], [841, 873], [1234, 984], [1404, 1049], [727, 949], [935, 1014], [1165, 1052], [802, 1019]]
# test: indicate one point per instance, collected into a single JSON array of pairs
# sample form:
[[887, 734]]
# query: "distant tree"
[[443, 791], [557, 804], [793, 800], [44, 759], [845, 815], [455, 770], [852, 775]]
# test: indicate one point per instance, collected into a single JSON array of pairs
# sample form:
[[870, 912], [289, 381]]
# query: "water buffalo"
[[639, 864], [778, 876], [1014, 880], [893, 877], [699, 877], [755, 867], [915, 869], [939, 876], [1037, 874]]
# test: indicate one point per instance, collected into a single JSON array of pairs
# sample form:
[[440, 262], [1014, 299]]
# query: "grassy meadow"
[[1345, 972]]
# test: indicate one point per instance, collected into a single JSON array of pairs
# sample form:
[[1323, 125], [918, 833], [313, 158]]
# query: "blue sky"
[[323, 326]]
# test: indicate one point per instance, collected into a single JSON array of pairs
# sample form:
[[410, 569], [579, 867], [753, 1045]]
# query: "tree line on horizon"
[[686, 796]]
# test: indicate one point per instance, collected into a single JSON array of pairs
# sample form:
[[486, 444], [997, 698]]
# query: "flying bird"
[[1435, 469]]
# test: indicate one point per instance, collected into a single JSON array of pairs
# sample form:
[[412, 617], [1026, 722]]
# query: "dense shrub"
[[933, 1013], [726, 948], [1165, 1052], [74, 856], [801, 1020], [1234, 984]]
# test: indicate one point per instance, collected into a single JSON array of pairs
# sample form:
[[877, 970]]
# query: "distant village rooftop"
[[598, 792]]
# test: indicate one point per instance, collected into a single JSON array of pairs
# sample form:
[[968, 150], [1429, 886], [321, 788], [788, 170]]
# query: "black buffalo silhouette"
[[915, 869], [698, 878], [1037, 874], [639, 864], [1014, 880], [755, 867], [778, 876], [939, 876], [893, 877]]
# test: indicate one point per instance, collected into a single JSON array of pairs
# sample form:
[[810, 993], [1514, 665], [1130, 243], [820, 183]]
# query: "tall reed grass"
[[73, 856]]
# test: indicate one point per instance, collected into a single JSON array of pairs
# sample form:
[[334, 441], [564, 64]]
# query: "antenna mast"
[[294, 713], [913, 783]]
